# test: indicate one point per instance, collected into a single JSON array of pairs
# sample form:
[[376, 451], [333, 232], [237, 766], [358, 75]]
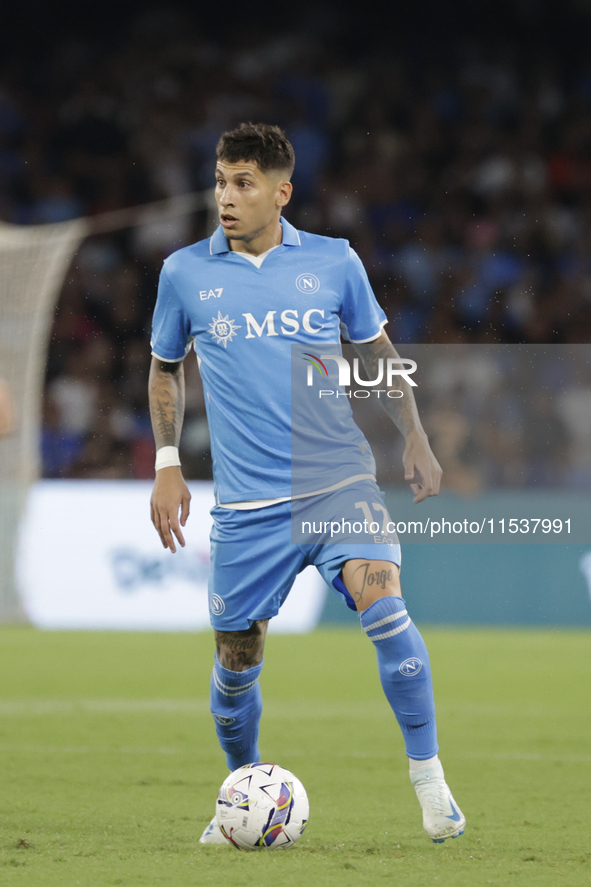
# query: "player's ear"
[[284, 192]]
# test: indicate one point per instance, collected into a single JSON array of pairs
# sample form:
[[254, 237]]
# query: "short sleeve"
[[171, 339], [362, 318]]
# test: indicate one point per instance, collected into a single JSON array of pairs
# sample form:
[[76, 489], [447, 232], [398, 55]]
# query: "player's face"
[[249, 200]]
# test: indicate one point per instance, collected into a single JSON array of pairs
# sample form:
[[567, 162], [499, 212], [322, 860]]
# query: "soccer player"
[[245, 298]]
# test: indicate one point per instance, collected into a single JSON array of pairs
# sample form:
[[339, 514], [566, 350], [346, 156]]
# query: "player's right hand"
[[170, 494]]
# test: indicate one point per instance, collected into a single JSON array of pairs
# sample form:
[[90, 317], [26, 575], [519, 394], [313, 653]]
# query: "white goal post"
[[34, 261]]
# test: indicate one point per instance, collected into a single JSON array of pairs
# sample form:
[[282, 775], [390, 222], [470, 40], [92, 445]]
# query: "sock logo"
[[222, 721], [217, 605], [410, 667]]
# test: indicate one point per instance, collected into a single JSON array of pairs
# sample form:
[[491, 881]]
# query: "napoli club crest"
[[410, 666]]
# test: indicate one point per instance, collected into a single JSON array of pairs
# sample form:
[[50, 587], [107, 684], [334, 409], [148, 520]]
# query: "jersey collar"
[[218, 242]]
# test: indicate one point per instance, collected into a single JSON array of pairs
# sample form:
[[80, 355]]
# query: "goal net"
[[34, 261]]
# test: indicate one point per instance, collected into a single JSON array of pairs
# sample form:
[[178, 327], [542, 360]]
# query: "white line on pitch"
[[527, 756], [101, 706], [300, 708], [90, 750]]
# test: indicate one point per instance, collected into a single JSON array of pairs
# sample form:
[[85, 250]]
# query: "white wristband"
[[166, 457]]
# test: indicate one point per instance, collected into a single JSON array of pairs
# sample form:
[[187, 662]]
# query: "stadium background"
[[451, 142], [452, 147]]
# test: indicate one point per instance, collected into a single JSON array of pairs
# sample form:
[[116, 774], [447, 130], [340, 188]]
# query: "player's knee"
[[241, 650]]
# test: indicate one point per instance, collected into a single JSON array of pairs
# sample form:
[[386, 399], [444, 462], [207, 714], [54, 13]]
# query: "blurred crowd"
[[497, 415], [461, 174]]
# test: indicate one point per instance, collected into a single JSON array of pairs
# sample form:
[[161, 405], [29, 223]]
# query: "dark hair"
[[262, 143]]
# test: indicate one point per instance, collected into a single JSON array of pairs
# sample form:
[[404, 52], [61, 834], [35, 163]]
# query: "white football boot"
[[212, 834], [442, 818]]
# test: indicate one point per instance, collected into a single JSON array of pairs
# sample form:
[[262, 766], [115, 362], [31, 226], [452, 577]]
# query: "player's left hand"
[[421, 466]]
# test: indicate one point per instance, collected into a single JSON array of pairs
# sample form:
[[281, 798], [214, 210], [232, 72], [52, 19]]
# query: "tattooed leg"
[[368, 581], [236, 702]]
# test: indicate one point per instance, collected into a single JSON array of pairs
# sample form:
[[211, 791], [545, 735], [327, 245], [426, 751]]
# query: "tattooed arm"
[[167, 407], [420, 465]]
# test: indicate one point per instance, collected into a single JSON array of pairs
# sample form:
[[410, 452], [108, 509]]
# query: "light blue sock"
[[405, 673], [236, 705]]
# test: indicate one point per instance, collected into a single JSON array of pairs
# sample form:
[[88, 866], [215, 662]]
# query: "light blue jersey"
[[248, 325]]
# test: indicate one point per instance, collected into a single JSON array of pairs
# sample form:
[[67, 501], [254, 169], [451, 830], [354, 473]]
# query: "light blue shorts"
[[254, 562]]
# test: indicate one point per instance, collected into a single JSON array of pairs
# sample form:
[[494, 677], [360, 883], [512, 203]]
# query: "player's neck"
[[261, 242]]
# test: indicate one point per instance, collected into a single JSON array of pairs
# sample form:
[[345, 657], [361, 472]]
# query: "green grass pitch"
[[109, 765]]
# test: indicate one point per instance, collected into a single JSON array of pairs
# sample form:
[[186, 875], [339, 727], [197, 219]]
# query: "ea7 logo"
[[210, 294]]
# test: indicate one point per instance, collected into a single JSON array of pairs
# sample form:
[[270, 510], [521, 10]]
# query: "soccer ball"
[[262, 807]]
